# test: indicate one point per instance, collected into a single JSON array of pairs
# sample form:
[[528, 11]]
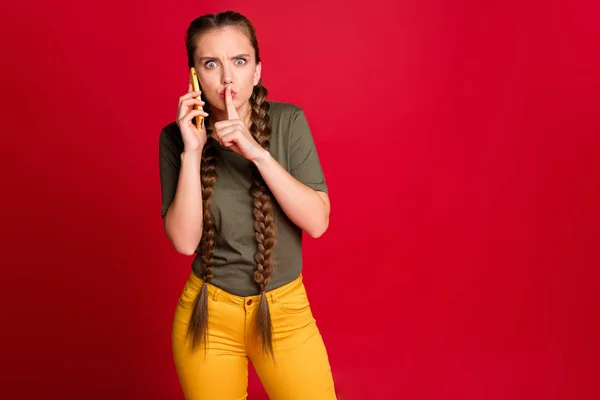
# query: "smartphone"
[[195, 87]]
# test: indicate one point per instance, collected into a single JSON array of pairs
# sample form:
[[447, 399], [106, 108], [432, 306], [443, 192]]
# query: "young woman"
[[238, 192]]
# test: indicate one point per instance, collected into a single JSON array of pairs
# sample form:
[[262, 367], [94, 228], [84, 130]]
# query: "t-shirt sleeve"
[[169, 165], [304, 159]]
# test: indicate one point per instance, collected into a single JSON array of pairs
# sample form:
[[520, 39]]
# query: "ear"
[[257, 72]]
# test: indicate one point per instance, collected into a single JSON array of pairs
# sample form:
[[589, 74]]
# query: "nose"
[[227, 78], [227, 74]]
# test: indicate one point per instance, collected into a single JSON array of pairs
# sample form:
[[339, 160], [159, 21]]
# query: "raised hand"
[[234, 133], [194, 139]]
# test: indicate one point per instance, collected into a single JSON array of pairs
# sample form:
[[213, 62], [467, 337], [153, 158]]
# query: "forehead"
[[223, 41]]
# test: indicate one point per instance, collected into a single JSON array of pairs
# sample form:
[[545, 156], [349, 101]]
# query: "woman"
[[239, 191]]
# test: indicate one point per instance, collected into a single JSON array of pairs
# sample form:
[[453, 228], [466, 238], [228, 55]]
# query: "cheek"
[[250, 80], [248, 86], [212, 99], [210, 90]]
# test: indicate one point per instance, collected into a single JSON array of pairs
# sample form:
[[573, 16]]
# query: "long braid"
[[264, 225], [198, 326]]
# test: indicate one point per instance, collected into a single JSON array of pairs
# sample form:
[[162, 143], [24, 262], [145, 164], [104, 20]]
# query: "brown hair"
[[264, 225]]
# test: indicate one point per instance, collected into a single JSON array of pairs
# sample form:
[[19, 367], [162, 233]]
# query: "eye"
[[243, 61], [210, 64]]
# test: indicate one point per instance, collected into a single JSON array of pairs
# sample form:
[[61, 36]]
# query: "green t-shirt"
[[292, 145]]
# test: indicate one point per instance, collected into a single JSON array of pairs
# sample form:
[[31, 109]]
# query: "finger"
[[230, 139], [194, 113], [226, 123], [193, 101], [231, 111], [188, 117], [199, 123], [222, 132], [187, 105], [190, 95]]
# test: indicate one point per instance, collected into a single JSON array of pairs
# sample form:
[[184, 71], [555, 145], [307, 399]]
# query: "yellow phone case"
[[196, 87]]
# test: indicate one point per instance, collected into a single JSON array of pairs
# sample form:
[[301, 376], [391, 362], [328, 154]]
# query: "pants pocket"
[[188, 295], [294, 303], [290, 307]]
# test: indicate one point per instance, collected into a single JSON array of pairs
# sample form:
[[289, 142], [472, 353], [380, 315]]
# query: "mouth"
[[222, 94]]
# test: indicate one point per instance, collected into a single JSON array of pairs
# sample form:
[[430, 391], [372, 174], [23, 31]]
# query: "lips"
[[222, 94]]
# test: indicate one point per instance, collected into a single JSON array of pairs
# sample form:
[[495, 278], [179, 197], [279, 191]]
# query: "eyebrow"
[[234, 57]]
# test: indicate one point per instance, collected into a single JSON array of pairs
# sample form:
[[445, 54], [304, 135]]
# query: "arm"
[[181, 192], [183, 220], [307, 208], [301, 193]]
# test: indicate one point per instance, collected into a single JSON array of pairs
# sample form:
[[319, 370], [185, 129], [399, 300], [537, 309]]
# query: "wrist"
[[194, 155], [262, 158]]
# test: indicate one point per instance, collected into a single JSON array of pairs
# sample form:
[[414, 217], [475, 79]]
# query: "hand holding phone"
[[190, 107]]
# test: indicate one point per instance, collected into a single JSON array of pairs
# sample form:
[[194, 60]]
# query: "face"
[[226, 56]]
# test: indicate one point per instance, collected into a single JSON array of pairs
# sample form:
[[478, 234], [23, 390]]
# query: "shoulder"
[[284, 111], [170, 136], [170, 131]]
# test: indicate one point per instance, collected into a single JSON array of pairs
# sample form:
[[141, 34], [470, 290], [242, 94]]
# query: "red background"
[[460, 141]]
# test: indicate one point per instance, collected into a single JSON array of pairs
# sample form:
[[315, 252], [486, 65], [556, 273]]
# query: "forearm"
[[183, 221], [302, 205]]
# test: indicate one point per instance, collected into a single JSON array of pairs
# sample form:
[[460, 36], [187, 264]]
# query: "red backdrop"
[[460, 143]]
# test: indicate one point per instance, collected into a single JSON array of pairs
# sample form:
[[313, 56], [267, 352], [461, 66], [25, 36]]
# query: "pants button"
[[249, 302]]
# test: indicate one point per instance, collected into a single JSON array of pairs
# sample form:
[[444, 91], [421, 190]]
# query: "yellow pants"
[[301, 369]]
